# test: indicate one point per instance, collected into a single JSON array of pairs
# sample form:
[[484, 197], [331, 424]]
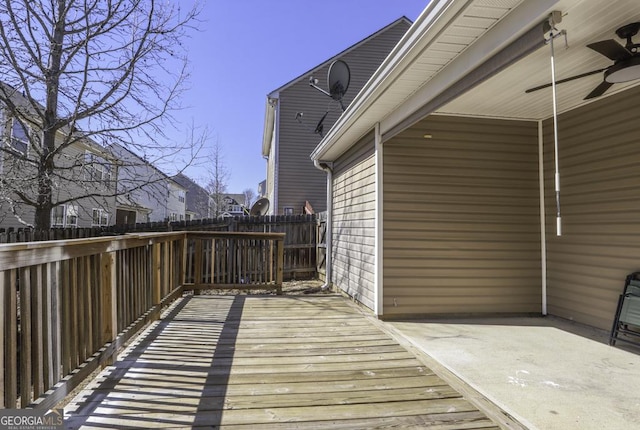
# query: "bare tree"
[[249, 197], [85, 73], [218, 178]]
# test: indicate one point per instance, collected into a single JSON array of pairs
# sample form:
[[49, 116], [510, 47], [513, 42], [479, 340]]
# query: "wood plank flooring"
[[263, 362]]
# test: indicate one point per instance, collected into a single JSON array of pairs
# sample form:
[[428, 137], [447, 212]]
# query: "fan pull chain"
[[552, 36]]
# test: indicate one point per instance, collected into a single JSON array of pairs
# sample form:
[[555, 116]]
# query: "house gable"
[[298, 109]]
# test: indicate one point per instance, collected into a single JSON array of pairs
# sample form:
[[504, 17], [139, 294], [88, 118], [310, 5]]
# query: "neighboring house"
[[199, 204], [292, 179], [151, 194], [84, 178], [231, 205], [443, 194], [176, 201]]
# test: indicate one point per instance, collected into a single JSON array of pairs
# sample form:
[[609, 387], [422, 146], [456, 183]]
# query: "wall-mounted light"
[[428, 136]]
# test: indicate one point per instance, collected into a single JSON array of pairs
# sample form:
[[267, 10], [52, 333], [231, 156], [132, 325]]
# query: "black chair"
[[627, 320]]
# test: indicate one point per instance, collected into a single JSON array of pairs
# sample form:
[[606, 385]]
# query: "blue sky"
[[247, 48]]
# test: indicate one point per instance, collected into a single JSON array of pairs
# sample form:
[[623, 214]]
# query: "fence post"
[[109, 300]]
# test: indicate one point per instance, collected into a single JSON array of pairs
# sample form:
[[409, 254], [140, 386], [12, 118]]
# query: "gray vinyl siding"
[[599, 158], [71, 188], [353, 244], [297, 178], [461, 218], [69, 185], [143, 183]]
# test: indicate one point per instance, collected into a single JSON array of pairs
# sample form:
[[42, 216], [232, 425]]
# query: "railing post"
[[197, 272], [156, 295], [279, 264], [182, 273], [109, 299]]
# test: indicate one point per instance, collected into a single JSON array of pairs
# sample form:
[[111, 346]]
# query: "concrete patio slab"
[[546, 372]]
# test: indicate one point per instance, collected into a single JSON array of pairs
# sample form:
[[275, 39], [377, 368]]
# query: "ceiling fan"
[[626, 62]]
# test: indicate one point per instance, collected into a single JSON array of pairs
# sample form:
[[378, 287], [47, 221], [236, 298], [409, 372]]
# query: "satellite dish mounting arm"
[[313, 83]]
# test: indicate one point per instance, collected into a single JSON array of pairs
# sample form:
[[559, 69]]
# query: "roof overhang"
[[452, 39]]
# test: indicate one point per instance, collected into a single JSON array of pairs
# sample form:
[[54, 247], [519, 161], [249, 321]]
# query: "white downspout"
[[379, 261], [543, 224], [276, 163], [328, 168]]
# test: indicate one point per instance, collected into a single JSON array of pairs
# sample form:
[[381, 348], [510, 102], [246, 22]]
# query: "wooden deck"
[[262, 362]]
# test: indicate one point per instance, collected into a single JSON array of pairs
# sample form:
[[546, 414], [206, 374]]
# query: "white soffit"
[[586, 21], [385, 95]]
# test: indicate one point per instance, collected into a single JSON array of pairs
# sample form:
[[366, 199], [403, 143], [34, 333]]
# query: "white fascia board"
[[437, 15], [269, 121], [512, 26]]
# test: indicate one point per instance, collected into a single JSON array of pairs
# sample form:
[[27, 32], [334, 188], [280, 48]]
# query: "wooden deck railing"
[[69, 306]]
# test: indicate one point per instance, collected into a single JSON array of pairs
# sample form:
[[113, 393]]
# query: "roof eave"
[[436, 16], [431, 22]]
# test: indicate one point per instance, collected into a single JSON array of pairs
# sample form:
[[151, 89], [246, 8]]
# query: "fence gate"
[[321, 245]]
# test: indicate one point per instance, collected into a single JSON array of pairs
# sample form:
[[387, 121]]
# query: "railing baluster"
[[11, 340], [55, 323], [109, 297], [73, 298], [37, 337], [81, 311], [25, 336]]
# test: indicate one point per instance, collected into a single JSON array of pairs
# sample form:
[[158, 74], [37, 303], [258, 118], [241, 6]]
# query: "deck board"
[[269, 362]]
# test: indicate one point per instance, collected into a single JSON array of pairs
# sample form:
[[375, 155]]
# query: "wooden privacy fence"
[[69, 306], [303, 249]]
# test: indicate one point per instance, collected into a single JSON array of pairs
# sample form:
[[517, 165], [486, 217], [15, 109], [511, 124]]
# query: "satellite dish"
[[338, 79], [260, 207]]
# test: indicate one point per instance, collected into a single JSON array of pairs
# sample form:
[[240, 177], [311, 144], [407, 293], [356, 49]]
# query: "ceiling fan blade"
[[561, 81], [599, 90], [611, 49]]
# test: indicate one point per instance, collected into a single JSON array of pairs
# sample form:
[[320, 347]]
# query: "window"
[[96, 168], [288, 211], [100, 217], [181, 196], [72, 216], [19, 137], [64, 216], [57, 216], [173, 216]]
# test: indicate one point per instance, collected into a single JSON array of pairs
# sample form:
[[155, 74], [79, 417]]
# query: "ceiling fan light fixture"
[[623, 71]]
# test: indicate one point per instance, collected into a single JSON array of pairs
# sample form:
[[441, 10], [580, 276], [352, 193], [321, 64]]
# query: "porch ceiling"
[[586, 21], [452, 37]]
